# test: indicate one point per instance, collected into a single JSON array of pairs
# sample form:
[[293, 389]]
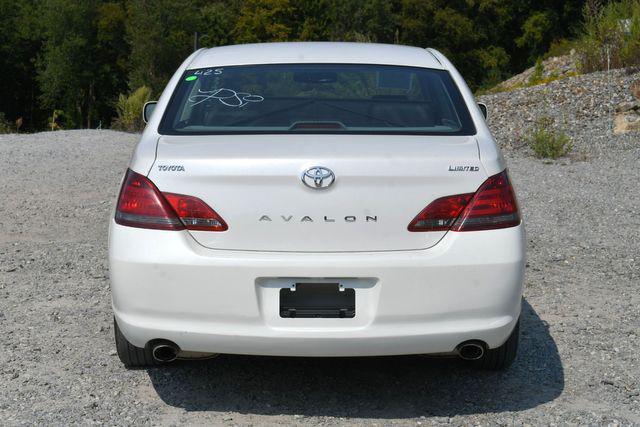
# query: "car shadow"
[[367, 387]]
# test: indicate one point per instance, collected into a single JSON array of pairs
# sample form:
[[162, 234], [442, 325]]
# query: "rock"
[[627, 117], [627, 106], [627, 122], [554, 67], [635, 89]]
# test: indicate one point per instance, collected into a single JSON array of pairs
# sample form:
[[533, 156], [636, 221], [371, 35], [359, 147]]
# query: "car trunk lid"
[[255, 183]]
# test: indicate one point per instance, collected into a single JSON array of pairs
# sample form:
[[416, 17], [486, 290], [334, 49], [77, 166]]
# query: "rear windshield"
[[316, 98]]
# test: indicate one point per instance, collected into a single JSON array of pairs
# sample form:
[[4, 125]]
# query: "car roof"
[[315, 52]]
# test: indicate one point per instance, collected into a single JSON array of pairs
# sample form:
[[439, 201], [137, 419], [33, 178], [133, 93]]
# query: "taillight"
[[440, 214], [195, 214], [492, 206], [142, 205]]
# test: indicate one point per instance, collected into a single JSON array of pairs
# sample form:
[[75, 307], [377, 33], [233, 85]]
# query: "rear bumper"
[[165, 285]]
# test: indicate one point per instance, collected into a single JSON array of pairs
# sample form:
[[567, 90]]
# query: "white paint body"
[[219, 292]]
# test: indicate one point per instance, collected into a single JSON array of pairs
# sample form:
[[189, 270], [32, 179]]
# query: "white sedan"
[[316, 199]]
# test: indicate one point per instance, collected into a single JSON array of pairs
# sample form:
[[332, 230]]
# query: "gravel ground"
[[579, 361]]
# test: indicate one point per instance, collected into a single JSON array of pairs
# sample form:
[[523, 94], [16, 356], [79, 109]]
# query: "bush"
[[5, 126], [547, 141], [560, 47], [56, 120], [538, 73], [129, 110], [611, 35]]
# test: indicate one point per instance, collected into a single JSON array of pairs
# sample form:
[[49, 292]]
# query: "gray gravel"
[[579, 361]]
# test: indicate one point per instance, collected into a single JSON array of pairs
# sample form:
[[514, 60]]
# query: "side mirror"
[[483, 108], [147, 110]]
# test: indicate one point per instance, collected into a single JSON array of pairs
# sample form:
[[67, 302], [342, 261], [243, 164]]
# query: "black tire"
[[130, 355], [500, 358]]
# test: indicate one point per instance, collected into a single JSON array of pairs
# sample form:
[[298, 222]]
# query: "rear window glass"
[[317, 98]]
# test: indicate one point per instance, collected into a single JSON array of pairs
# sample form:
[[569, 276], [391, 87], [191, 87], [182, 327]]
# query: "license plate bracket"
[[317, 300]]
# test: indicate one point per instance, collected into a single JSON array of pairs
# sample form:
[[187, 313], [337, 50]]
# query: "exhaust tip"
[[471, 351], [165, 352]]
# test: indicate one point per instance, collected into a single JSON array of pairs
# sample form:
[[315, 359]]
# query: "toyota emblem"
[[318, 177]]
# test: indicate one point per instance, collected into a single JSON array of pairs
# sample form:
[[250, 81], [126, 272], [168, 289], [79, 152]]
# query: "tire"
[[130, 355], [500, 358]]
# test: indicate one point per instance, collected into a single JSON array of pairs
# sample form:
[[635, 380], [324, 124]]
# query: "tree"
[[112, 57], [20, 42], [160, 35], [536, 33], [218, 21], [66, 65], [446, 26], [79, 55], [264, 20], [82, 65]]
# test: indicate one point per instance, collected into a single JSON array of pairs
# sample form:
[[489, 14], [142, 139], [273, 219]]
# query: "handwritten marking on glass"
[[228, 97], [208, 72]]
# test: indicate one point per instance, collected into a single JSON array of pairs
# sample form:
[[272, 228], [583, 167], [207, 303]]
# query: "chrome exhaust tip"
[[165, 351], [471, 351]]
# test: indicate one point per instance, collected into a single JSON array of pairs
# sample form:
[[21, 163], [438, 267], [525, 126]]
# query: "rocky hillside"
[[557, 67], [587, 107]]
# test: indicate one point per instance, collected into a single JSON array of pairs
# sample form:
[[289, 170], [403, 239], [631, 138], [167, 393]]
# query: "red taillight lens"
[[492, 206], [195, 214], [440, 214], [142, 205]]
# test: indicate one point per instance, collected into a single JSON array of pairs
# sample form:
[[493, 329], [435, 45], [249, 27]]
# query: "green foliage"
[[77, 56], [537, 33], [81, 62], [560, 47], [547, 141], [5, 126], [538, 73], [336, 20], [217, 21], [19, 46], [611, 35], [160, 35], [56, 120], [62, 65], [129, 110], [264, 20]]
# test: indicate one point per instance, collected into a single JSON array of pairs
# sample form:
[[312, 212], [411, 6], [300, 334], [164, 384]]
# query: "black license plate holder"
[[317, 300]]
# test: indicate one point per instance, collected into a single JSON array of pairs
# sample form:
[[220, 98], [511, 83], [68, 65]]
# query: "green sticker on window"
[[191, 78]]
